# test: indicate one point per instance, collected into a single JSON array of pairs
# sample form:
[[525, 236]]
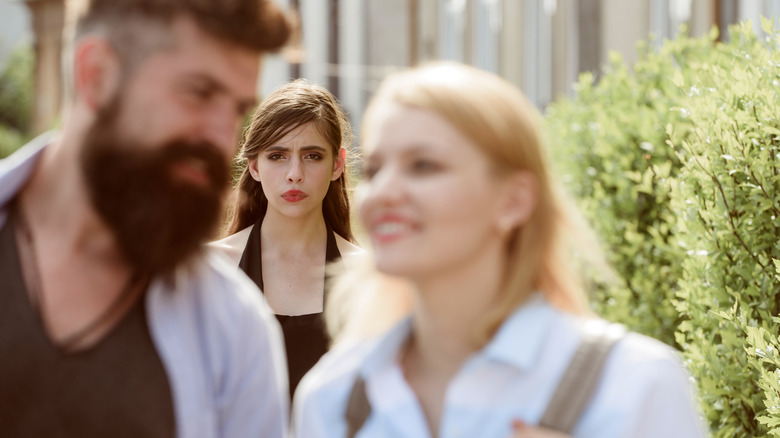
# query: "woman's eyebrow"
[[279, 148]]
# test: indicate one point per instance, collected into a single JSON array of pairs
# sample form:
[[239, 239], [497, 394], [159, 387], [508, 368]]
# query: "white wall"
[[275, 69], [314, 14], [352, 54]]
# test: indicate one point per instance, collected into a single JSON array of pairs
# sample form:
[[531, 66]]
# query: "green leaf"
[[767, 25]]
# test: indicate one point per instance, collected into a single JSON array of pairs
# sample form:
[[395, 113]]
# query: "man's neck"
[[56, 205], [78, 275]]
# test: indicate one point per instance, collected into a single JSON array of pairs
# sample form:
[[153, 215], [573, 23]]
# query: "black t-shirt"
[[116, 388]]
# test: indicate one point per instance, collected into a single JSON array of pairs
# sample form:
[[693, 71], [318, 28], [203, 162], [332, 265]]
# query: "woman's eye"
[[424, 166], [369, 171], [313, 157], [275, 157]]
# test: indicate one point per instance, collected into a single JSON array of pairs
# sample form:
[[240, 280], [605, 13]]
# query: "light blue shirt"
[[218, 340], [644, 391]]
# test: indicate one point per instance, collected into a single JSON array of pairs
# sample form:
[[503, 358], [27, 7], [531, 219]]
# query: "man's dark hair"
[[259, 25]]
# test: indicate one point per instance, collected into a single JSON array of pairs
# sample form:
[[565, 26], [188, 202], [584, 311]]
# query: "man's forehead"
[[194, 53]]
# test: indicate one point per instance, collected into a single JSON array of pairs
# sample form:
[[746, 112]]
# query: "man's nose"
[[221, 130]]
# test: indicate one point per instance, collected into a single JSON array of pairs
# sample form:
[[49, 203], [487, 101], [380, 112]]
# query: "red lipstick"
[[294, 195]]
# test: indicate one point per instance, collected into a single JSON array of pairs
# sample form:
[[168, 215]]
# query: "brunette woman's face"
[[296, 172], [431, 202]]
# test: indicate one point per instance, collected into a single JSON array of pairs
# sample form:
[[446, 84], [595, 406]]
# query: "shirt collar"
[[16, 169], [387, 347], [518, 341], [521, 336]]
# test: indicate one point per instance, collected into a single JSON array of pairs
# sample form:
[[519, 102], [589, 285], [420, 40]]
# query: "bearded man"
[[113, 321]]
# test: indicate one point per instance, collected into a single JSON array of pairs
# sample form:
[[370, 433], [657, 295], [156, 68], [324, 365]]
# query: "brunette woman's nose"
[[295, 171]]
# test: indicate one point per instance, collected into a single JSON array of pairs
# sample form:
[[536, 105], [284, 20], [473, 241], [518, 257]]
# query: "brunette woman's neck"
[[293, 233]]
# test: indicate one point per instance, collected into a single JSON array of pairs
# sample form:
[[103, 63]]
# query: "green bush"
[[609, 143], [676, 162], [16, 98], [727, 199]]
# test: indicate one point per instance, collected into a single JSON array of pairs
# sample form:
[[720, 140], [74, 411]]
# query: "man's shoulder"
[[16, 169], [214, 288], [232, 246]]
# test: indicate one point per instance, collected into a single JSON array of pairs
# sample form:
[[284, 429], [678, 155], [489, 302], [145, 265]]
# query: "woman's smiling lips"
[[390, 228], [294, 195]]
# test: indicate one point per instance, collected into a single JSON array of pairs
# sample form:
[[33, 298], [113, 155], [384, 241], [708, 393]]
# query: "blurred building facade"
[[542, 46], [350, 45], [14, 28]]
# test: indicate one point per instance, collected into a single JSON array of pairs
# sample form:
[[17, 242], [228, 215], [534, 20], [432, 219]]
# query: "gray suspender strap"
[[578, 383], [358, 407]]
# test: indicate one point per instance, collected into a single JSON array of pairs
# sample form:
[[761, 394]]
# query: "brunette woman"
[[290, 213]]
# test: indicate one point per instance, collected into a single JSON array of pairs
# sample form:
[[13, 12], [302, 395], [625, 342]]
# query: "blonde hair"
[[540, 255]]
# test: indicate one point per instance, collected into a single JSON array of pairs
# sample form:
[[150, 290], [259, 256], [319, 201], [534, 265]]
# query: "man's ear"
[[96, 71], [338, 164], [520, 200]]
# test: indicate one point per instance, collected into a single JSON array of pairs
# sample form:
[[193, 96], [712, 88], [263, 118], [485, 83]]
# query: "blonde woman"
[[472, 242]]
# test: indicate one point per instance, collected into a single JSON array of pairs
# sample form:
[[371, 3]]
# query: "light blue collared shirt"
[[218, 340], [644, 391]]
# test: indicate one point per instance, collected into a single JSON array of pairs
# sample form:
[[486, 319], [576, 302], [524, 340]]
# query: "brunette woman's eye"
[[275, 157], [313, 157]]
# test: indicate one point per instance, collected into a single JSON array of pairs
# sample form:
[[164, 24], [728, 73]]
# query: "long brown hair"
[[288, 107]]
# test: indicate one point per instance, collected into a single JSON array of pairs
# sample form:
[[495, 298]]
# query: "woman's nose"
[[295, 172], [386, 186]]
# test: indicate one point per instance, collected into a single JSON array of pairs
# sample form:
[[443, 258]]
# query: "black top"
[[116, 388], [304, 335]]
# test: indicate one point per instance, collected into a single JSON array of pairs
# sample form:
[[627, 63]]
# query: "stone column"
[[48, 17]]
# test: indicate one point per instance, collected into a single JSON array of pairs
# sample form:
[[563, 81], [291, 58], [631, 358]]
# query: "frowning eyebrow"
[[313, 148]]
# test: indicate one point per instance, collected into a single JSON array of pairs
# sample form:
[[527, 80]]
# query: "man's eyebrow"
[[243, 106], [246, 105], [206, 80]]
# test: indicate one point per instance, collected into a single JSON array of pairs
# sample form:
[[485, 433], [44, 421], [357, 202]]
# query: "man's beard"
[[157, 220]]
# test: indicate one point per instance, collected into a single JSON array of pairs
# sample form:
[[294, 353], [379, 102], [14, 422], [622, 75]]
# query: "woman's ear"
[[96, 71], [338, 164], [520, 200], [251, 165]]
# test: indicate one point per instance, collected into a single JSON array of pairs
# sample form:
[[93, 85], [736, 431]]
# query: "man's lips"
[[192, 170], [294, 195]]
